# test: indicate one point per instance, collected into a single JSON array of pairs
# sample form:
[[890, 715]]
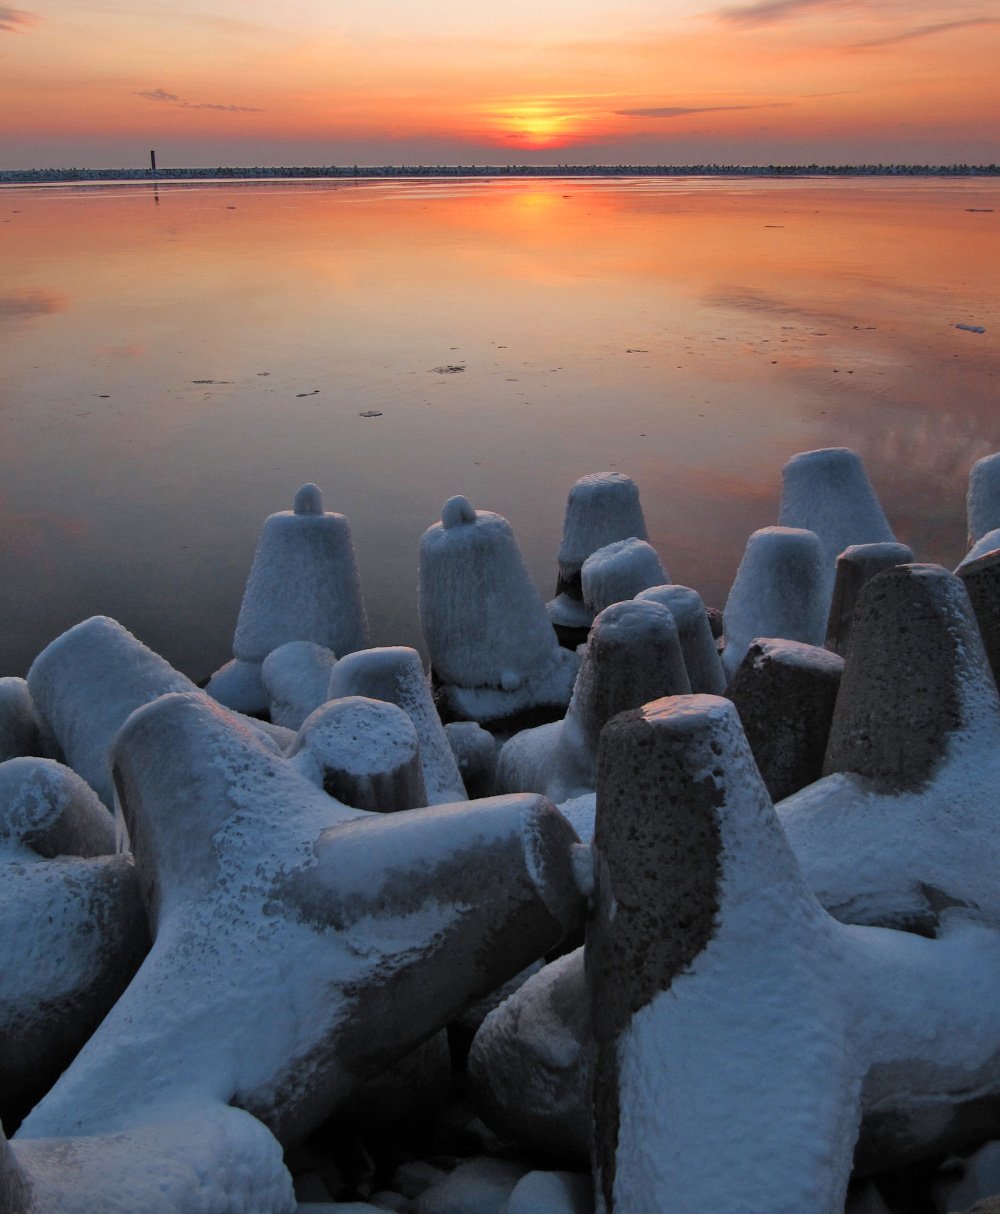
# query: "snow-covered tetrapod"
[[903, 823], [701, 655], [296, 676], [303, 585], [785, 693], [85, 684], [981, 578], [601, 508], [856, 565], [394, 673], [619, 571], [828, 492], [491, 643], [633, 655], [326, 940], [779, 591], [740, 1030], [72, 927], [983, 498], [18, 725]]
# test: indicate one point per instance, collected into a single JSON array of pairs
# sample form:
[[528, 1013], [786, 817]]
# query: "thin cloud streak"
[[13, 19], [923, 31], [766, 12], [680, 111], [165, 98]]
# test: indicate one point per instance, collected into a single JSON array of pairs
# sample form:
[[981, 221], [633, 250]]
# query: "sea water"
[[178, 359]]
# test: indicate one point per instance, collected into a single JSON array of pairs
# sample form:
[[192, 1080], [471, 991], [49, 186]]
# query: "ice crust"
[[983, 500], [296, 676], [828, 492], [487, 630], [600, 509], [618, 571], [780, 590], [303, 585]]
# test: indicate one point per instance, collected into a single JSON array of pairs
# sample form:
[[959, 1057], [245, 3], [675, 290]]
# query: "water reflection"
[[227, 344]]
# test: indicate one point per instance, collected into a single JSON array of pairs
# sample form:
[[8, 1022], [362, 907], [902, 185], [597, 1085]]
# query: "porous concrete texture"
[[785, 693], [902, 831], [913, 661], [855, 566], [733, 1018], [475, 752], [694, 631], [303, 585], [364, 753], [981, 578], [633, 655]]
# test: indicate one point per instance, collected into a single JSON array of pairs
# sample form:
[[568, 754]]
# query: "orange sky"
[[206, 82]]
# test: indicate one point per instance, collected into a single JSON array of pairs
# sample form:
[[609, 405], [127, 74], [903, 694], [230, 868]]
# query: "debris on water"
[[211, 381], [449, 369], [636, 350], [980, 210], [971, 328], [371, 413], [314, 392]]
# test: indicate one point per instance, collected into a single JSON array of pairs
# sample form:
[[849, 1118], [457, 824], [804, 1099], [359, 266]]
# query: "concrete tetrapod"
[[981, 577], [785, 693], [600, 509], [983, 497], [779, 591], [72, 928], [856, 565], [903, 823], [491, 644], [828, 491], [633, 655], [701, 655], [299, 946], [740, 1030], [87, 681], [394, 673]]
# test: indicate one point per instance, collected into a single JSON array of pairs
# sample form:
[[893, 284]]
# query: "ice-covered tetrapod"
[[828, 492], [304, 584], [72, 928], [363, 752], [633, 655], [619, 571], [296, 676], [18, 726], [780, 590], [326, 941], [491, 643], [394, 673], [600, 509], [85, 684], [856, 565], [981, 578], [983, 499], [785, 693], [903, 823], [740, 1030], [701, 655]]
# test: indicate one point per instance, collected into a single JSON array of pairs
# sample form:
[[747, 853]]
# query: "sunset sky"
[[207, 82]]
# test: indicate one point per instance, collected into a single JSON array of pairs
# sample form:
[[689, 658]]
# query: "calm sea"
[[177, 361]]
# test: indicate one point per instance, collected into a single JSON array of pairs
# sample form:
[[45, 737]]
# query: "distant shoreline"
[[166, 175]]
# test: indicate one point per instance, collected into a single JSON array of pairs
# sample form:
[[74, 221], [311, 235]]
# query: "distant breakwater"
[[59, 175]]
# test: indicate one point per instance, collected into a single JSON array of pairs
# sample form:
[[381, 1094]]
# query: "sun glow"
[[536, 124]]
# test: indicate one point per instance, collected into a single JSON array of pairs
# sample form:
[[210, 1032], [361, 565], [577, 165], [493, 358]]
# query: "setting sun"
[[536, 124]]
